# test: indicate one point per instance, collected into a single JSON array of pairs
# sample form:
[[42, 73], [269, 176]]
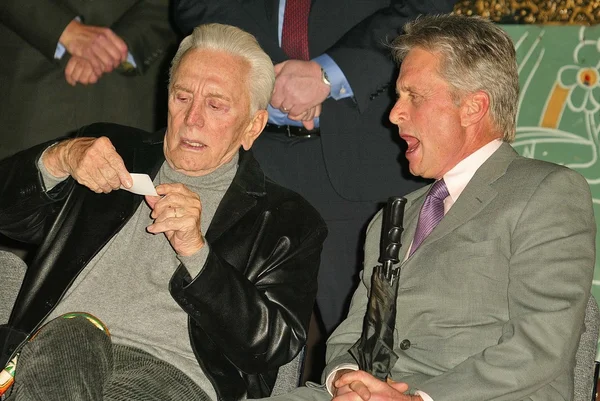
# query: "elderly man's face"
[[209, 112], [427, 117]]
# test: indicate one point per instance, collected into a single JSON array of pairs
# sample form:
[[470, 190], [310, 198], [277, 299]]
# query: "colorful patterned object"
[[7, 376]]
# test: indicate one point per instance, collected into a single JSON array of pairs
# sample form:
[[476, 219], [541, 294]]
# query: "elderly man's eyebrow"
[[218, 96], [181, 88]]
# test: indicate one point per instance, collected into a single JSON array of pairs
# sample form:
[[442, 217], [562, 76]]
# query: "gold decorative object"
[[567, 12]]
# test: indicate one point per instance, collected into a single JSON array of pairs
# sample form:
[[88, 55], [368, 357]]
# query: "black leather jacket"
[[265, 242]]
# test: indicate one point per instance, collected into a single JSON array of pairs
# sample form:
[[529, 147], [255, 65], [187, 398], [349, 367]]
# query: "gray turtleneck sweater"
[[126, 285]]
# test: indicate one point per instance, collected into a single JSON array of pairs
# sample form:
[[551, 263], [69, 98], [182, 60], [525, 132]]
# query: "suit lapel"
[[411, 216], [475, 197]]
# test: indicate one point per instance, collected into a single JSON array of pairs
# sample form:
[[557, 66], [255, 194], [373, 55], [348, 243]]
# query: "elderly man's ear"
[[254, 128]]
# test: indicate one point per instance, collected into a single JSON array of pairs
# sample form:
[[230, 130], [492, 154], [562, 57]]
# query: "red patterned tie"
[[294, 38]]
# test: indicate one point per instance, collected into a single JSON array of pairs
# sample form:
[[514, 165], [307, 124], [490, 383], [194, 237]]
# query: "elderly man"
[[491, 300], [206, 289]]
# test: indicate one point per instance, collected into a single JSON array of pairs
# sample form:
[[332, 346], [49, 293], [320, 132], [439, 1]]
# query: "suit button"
[[404, 344]]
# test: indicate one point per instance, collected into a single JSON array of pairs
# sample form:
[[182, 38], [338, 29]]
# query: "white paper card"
[[142, 185]]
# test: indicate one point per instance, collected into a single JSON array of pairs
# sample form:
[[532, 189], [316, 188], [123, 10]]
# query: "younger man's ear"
[[474, 107], [254, 128]]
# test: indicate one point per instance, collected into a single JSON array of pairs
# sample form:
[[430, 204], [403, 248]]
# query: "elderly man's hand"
[[298, 87], [177, 215], [104, 49], [361, 386], [93, 162]]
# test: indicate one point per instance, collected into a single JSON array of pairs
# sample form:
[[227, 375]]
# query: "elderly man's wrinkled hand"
[[362, 386], [298, 87], [92, 162], [177, 214]]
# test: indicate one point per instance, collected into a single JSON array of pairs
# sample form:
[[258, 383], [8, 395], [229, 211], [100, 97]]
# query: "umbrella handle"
[[391, 230], [391, 233]]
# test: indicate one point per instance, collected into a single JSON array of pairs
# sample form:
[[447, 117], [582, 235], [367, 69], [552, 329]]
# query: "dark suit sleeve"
[[238, 310], [146, 29], [362, 51], [39, 22]]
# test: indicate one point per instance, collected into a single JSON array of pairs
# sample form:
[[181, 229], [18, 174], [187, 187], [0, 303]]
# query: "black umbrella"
[[374, 351]]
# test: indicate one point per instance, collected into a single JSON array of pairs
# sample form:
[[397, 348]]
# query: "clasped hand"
[[94, 50], [361, 386], [299, 90]]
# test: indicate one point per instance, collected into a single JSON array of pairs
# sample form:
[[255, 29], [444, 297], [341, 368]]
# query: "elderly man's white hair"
[[237, 42]]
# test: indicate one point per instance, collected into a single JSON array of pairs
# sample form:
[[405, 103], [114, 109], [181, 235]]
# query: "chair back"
[[12, 271], [586, 375]]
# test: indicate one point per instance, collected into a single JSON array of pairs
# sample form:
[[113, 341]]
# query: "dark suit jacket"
[[265, 242], [38, 104], [361, 150]]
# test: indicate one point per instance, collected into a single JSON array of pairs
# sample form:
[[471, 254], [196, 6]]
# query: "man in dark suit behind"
[[69, 63], [327, 136]]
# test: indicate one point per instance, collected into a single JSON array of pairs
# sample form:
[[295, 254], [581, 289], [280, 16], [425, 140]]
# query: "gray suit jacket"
[[493, 300]]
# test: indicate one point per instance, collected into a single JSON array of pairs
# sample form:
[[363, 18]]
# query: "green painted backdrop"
[[559, 105]]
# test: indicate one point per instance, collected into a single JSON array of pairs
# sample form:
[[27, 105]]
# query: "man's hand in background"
[[80, 70], [104, 49], [299, 87]]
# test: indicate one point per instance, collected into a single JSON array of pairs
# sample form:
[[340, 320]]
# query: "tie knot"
[[439, 190]]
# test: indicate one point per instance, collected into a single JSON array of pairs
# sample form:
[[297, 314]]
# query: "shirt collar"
[[459, 176]]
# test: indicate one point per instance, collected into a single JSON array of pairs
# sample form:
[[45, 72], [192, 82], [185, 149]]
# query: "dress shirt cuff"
[[60, 49], [131, 60], [331, 376], [128, 65], [195, 263], [423, 395], [59, 52], [277, 117], [50, 181], [340, 88]]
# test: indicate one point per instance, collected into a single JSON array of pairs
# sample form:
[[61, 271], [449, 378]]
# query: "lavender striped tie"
[[431, 213]]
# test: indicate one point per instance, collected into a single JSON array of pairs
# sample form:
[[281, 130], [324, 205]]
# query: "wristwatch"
[[325, 78]]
